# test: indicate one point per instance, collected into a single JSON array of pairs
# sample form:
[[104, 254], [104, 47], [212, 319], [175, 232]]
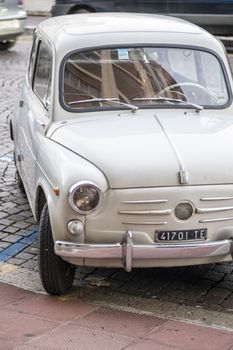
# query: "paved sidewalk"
[[31, 321]]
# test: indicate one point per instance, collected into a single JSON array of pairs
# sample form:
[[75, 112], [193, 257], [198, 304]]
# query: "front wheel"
[[56, 274]]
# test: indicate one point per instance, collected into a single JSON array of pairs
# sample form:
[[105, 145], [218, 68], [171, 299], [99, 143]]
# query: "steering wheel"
[[211, 95]]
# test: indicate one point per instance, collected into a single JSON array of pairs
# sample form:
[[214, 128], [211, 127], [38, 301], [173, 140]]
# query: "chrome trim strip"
[[212, 210], [147, 201], [97, 251], [183, 174], [216, 199], [177, 251], [145, 223], [128, 251], [146, 212], [216, 220]]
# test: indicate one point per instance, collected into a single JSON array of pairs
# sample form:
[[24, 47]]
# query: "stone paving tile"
[[214, 275], [183, 336], [7, 222], [7, 344], [10, 295], [15, 261], [51, 308], [21, 224], [150, 345], [228, 285], [30, 264], [119, 321], [26, 233], [216, 295], [10, 229], [228, 303], [68, 336], [4, 245], [2, 234], [12, 238], [24, 326], [24, 256]]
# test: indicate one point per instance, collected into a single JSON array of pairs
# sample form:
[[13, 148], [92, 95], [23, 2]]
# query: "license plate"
[[181, 235], [10, 24]]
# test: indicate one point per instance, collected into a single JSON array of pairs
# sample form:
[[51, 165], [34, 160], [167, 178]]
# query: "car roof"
[[99, 29], [119, 22]]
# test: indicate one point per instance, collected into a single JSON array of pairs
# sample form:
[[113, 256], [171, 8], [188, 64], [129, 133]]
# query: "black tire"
[[6, 45], [56, 274]]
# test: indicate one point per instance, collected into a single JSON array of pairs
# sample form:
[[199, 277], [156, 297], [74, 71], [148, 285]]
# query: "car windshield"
[[143, 77]]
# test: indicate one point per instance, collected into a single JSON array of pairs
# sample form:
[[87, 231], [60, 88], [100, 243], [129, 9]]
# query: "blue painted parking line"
[[17, 247], [29, 239]]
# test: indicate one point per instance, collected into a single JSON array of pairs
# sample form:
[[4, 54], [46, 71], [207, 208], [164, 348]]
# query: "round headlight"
[[84, 197]]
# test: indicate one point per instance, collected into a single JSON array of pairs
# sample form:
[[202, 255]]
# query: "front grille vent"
[[157, 211], [146, 213]]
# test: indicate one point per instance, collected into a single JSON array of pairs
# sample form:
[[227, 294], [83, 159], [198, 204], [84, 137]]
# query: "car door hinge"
[[21, 103]]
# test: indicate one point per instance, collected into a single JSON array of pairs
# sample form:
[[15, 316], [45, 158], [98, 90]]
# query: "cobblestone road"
[[208, 286]]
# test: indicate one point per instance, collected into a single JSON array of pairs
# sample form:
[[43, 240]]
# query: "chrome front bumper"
[[127, 251]]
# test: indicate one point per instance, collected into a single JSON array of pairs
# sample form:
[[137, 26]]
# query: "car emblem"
[[184, 210]]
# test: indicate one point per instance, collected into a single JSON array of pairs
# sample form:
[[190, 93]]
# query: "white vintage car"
[[123, 141]]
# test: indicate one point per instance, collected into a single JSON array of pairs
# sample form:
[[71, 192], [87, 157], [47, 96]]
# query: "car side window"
[[42, 74]]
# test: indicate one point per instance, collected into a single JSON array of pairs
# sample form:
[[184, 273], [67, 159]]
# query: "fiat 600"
[[123, 143]]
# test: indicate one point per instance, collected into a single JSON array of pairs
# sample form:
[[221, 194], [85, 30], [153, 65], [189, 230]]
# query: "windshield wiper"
[[108, 100], [171, 100]]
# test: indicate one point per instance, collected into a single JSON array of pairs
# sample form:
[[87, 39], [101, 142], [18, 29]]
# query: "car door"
[[34, 113]]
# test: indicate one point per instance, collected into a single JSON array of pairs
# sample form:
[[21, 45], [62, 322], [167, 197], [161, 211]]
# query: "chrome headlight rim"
[[74, 188]]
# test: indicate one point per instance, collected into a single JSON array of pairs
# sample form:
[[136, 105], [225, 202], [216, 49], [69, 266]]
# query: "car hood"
[[149, 149]]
